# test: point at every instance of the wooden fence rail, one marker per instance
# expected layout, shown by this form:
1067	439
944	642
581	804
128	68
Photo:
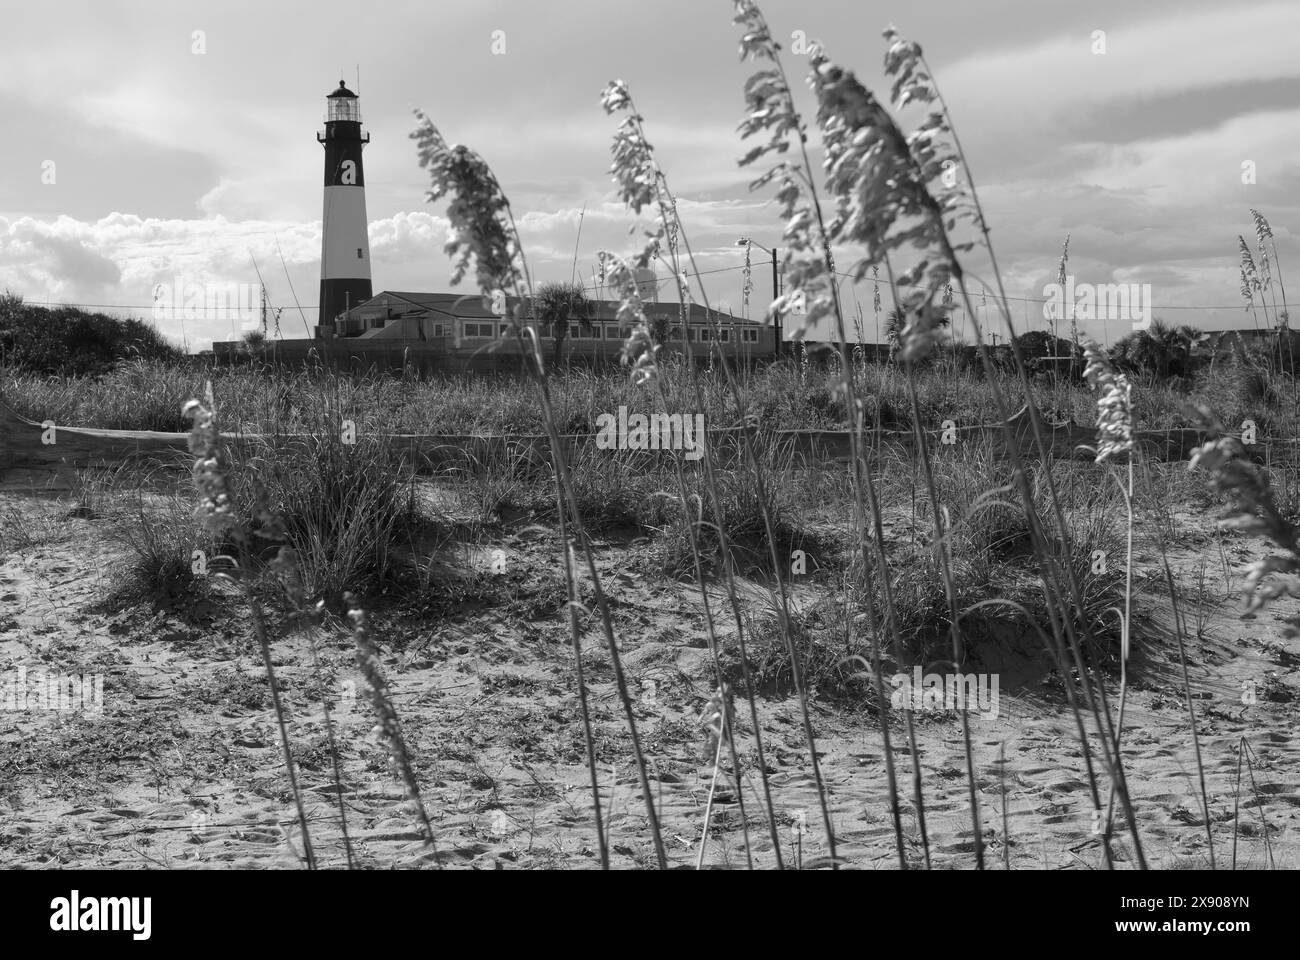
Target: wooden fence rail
49	457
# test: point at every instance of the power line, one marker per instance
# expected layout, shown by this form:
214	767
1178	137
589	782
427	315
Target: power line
1042	300
593	286
129	306
702	273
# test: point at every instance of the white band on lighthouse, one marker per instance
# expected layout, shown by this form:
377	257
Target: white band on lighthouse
345	247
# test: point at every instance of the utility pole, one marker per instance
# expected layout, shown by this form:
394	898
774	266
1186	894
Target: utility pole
778	327
776	293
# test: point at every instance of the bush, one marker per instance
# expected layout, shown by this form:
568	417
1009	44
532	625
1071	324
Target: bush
67	341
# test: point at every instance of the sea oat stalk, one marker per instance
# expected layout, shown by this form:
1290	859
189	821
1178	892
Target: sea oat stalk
217	515
810	284
877	177
1115	439
389	728
483	228
906	61
634	167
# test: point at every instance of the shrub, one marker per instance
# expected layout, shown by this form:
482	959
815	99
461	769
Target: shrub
68	341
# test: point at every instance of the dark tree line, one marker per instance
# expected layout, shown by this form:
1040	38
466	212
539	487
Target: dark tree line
71	342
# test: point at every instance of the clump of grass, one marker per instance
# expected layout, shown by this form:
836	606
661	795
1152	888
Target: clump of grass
343	508
161	545
738	535
614	489
829	654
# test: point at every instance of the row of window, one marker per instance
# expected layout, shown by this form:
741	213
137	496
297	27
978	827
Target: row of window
491	330
487	330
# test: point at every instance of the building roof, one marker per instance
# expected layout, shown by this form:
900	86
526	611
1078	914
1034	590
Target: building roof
342	91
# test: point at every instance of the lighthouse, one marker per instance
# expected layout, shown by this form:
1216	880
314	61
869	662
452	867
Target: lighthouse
345	246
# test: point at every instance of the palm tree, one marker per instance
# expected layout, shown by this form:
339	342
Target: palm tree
1162	348
894	323
254	342
896	320
555	306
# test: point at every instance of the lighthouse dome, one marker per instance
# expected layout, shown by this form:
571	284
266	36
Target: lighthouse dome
342	91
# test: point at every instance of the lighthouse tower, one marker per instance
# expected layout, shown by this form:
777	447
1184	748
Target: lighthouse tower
345	246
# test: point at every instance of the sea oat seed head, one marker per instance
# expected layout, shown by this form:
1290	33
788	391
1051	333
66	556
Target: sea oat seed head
1114	403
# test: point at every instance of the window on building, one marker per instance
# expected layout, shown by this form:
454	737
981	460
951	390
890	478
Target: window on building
676	334
723	335
611	332
476	330
750	336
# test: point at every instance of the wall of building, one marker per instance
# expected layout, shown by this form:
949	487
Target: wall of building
442	355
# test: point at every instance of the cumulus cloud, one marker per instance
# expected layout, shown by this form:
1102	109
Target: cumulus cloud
57	257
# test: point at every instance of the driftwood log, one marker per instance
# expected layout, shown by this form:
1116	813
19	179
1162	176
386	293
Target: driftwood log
49	457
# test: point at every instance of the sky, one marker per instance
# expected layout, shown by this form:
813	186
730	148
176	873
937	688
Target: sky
139	152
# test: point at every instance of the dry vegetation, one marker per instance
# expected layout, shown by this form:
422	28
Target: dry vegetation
619	658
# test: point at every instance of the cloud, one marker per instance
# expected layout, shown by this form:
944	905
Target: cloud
1054	80
57	257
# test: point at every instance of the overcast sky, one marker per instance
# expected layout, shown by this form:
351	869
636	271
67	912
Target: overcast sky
169	163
